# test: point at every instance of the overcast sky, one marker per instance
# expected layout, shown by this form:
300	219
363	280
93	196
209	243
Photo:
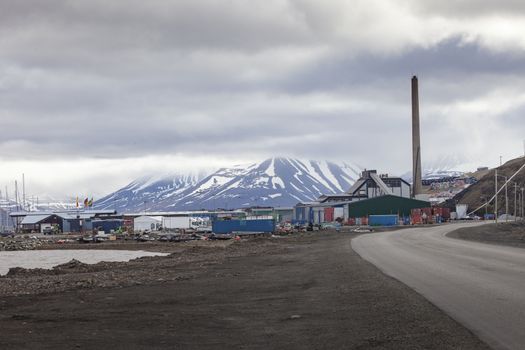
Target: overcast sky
94	93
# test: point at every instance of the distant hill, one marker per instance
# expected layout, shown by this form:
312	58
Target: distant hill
478	193
279	182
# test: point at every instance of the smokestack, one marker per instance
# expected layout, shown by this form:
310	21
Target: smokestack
416	143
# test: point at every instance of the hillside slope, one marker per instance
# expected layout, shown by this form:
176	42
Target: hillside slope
478	193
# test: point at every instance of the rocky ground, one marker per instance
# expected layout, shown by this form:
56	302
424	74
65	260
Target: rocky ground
509	234
21	243
305	291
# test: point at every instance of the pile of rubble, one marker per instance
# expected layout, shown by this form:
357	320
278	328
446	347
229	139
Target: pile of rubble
12	244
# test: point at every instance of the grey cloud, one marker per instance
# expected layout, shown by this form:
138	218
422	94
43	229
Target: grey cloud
152	25
450	60
121	79
467	8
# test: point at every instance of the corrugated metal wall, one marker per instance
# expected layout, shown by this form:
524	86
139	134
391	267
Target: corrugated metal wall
385	205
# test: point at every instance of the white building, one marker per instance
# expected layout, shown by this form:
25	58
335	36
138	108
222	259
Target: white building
151	223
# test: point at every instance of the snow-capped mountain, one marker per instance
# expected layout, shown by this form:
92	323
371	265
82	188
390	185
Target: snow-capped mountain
146	192
441	168
275	182
447	166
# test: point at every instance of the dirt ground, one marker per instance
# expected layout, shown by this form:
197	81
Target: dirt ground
509	234
307	291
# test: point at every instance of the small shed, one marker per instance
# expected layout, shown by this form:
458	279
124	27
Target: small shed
143	223
36	223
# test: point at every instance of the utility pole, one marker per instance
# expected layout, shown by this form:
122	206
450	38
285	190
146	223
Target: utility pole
522	202
496	192
515	199
23	192
16	195
506	201
8	206
518	206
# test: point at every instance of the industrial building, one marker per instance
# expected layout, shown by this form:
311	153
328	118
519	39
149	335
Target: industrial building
63	221
151	223
371	185
385	205
6	223
318	213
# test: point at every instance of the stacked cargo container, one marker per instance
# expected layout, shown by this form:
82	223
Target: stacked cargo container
416	216
243	226
328	214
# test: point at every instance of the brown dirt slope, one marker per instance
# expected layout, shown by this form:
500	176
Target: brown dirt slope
509	234
311	292
483	190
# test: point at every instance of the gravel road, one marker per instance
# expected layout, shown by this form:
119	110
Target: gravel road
480	285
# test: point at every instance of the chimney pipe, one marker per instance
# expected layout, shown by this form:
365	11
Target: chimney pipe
416	143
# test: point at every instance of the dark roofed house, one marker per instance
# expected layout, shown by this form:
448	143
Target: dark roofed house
339	197
371	185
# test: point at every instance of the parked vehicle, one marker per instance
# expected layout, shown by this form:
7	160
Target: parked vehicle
221	236
204	229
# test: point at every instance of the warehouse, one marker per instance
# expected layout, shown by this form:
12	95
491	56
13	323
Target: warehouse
384	205
318	213
150	223
62	221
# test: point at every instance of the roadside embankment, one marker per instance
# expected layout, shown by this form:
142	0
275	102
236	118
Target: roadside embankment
508	234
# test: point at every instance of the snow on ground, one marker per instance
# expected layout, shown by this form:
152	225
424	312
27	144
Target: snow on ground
213	181
297	188
270	171
298	178
261	181
325	170
311	171
278	181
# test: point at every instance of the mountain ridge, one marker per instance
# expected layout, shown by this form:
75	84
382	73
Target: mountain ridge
278	181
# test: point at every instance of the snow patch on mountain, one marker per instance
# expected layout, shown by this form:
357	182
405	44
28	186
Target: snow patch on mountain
273	182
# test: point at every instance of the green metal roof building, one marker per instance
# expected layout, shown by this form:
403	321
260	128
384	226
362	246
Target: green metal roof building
384	205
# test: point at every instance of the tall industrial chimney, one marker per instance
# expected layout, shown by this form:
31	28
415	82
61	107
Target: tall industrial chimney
416	142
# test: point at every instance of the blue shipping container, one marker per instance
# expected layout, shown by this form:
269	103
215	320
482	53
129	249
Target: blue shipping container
229	226
382	220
